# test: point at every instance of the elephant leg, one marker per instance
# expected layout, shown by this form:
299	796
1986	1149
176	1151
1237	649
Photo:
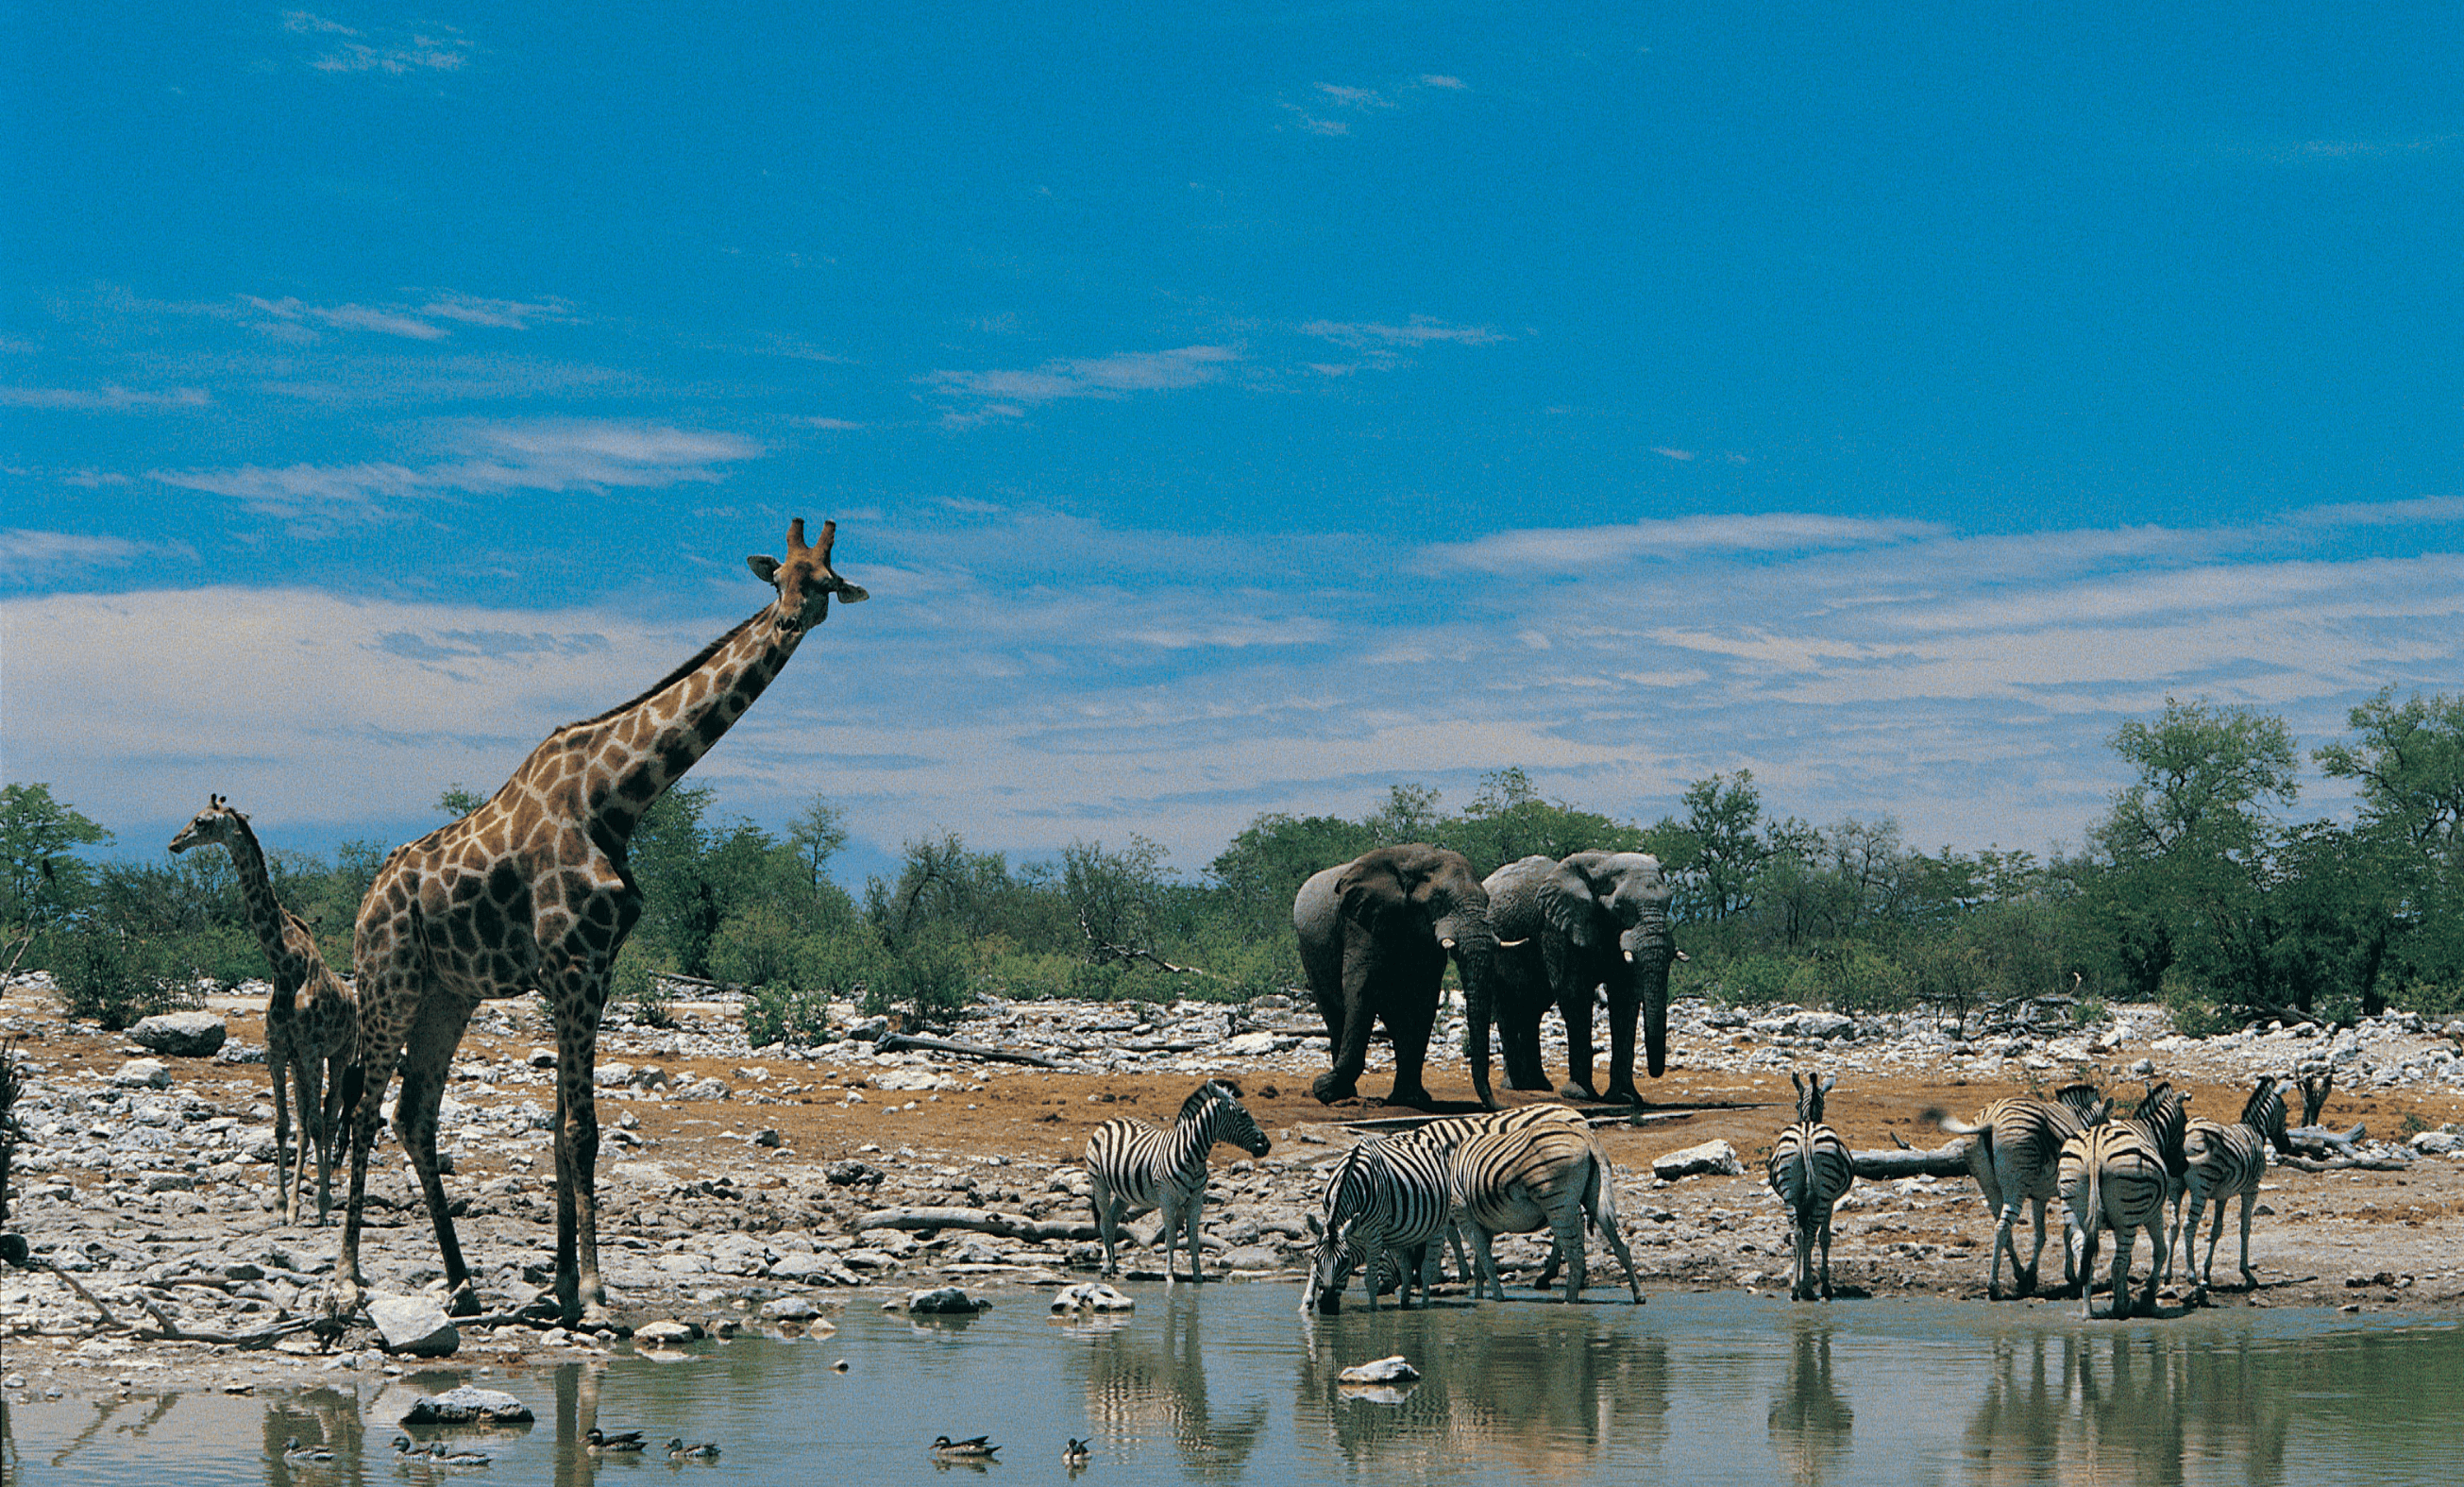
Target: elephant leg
1410	1025
1350	1048
1623	1006
1577	1006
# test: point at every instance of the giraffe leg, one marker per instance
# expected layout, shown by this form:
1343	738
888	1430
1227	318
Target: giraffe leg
336	1068
362	1102
577	993
314	1135
278	1063
425	1063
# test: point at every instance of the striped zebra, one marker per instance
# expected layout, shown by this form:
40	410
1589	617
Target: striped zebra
2014	1159
1385	1201
2117	1174
1547	1175
2221	1162
1811	1171
1133	1167
1448	1132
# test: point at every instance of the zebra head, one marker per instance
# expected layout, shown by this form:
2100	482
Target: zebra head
2264	1113
2165	1111
1808	1096
1217	1103
2084	1098
1334	1254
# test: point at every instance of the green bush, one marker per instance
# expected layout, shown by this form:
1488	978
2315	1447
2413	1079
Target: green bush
636	983
1854	977
116	979
930	978
805	975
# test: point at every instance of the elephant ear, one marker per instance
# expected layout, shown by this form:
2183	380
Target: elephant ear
1567	903
1369	892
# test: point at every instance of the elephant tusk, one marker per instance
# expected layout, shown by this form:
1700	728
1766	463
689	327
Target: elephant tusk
1629	956
1445	944
1513	944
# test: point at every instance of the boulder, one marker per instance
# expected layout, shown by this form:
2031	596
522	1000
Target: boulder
181	1034
942	1301
1246	1045
2437	1144
1384	1370
142	1074
666	1334
789	1308
1712	1158
1092	1296
468	1405
413	1324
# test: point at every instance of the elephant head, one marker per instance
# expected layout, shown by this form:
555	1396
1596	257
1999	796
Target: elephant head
1405	911
1613	906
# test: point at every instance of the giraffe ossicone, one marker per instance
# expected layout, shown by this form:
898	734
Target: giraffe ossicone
531	892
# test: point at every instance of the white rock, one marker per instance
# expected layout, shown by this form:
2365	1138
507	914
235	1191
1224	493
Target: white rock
194	1034
1716	1157
1092	1296
140	1073
413	1324
1384	1370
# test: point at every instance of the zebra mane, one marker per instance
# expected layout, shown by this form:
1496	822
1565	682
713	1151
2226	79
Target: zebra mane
1206	1095
2081	1097
2264	1113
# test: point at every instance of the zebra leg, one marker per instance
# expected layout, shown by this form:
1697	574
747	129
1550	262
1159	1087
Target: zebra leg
1484	1254
2248	1276
1826	1254
2190	1227
1569	1234
1100	1196
2157	1259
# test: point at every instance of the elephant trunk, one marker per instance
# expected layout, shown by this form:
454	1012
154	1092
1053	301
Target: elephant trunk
1649	951
1475	955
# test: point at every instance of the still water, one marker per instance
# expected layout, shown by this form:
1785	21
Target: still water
1231	1384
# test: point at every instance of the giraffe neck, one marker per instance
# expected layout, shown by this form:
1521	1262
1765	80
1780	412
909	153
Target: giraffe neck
265	914
637	751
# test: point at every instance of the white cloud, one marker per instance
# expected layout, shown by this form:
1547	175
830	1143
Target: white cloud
1442	80
346	49
1419	331
108	398
1599	547
1004	393
2423	511
28	555
498	457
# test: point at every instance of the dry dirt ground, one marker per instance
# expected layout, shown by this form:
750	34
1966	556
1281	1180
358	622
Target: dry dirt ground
2366	1239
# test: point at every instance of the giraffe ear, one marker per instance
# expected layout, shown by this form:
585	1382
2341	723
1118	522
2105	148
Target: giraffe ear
765	568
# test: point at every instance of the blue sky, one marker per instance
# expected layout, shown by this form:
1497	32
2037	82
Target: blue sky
1234	409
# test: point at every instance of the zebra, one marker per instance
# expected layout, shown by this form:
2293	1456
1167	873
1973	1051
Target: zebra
2220	1161
1547	1175
1810	1169
1447	1132
2117	1174
2014	1159
1384	1202
1134	1167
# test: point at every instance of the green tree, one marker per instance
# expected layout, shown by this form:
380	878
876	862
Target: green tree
459	799
1509	820
1258	874
818	833
2188	852
2407	849
42	881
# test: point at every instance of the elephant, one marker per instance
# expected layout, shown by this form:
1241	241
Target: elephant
1375	935
1565	926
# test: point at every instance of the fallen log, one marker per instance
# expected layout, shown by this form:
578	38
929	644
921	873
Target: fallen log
1949	1161
2319	1135
2346	1165
983	1221
913	1042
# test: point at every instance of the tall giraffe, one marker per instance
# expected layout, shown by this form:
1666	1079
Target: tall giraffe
312	1022
532	891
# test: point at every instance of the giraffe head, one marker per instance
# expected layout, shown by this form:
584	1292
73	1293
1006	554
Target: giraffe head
219	822
805	581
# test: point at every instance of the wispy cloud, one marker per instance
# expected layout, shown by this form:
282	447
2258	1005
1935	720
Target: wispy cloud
108	398
1004	393
292	318
1573	549
26	555
2423	511
497	458
1418	331
1329	108
337	48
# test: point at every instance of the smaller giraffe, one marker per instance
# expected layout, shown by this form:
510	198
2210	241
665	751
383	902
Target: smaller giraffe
312	1021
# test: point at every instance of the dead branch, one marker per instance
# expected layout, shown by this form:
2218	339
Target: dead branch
1949	1161
2347	1163
1008	1226
902	1042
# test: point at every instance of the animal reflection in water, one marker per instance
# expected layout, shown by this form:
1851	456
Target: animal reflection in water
1149	1380
1810	1423
2091	1408
320	1420
1546	1396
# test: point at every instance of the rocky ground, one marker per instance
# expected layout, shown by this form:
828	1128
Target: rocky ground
735	1178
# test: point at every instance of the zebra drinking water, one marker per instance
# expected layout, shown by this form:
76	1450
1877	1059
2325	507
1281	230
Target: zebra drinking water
2220	1161
1385	1201
1810	1169
2116	1174
2016	1159
1134	1168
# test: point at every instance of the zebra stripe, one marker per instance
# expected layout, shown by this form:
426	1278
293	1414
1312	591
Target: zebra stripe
1811	1171
1384	1202
2016	1159
2223	1162
1545	1176
1134	1167
2117	1175
1448	1132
